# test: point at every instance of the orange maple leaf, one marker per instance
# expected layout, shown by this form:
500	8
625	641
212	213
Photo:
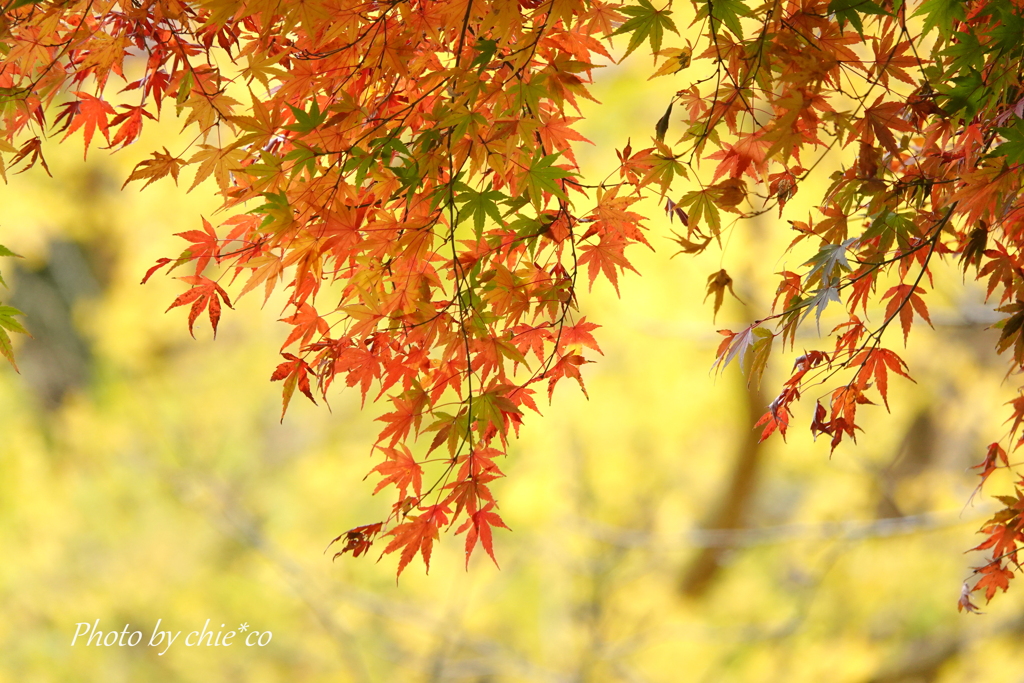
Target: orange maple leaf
204	292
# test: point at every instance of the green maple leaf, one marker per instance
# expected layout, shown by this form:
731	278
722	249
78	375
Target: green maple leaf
851	11
20	3
479	205
4	251
647	23
485	51
701	205
818	302
1013	148
543	177
7	322
305	122
304	158
825	263
965	93
726	12
760	351
940	14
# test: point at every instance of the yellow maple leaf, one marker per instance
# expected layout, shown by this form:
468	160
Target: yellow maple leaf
676	59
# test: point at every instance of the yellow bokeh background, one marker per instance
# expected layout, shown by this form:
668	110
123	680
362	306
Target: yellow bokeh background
159	484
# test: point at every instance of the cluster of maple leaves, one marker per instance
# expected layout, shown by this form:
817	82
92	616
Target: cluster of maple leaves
404	170
930	97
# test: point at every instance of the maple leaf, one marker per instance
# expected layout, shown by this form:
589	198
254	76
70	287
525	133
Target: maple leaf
417	535
729	194
941	14
605	257
688	247
493	407
357	540
307	323
153	169
829	263
218	162
558	133
646	23
87	113
362	366
1004	530
760	352
993	455
530	338
661	127
160	263
205	246
478	527
851	11
904	301
295	372
756	340
1011	329
717	284
993	577
746	156
543	177
1002	270
400	470
567	366
788	290
778	415
129	124
676	59
401	421
875	363
964	603
578	336
203	293
9	324
882	118
33	151
702	209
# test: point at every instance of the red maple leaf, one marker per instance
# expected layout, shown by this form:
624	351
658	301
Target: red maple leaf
746	156
993	455
358	540
88	113
993	577
417	535
204	292
401	470
578	335
478	527
401	421
567	366
876	363
604	257
205	246
905	300
295	372
307	323
130	123
880	120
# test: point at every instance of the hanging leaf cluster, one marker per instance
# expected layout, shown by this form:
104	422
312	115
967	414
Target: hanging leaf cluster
405	172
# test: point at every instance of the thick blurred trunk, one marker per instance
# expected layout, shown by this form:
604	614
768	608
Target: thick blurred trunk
734	503
57	359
